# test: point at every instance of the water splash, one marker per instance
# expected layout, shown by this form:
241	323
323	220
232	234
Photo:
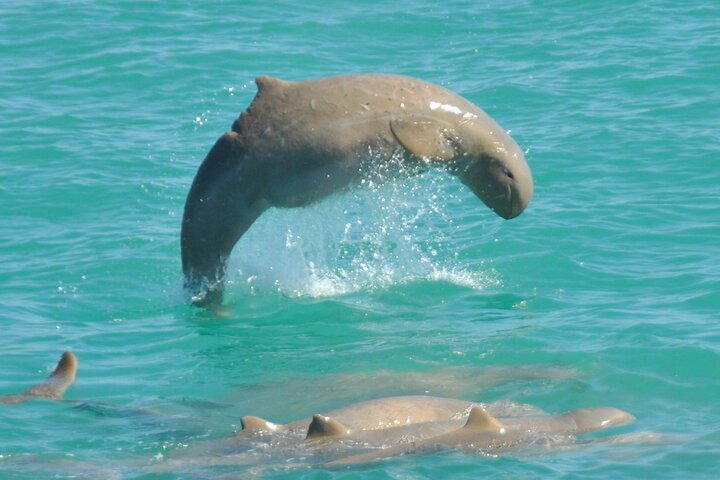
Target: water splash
375	236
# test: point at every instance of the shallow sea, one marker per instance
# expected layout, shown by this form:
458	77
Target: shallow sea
606	291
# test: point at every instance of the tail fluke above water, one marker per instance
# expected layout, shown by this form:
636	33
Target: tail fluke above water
53	387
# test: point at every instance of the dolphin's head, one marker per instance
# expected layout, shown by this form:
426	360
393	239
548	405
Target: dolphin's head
494	167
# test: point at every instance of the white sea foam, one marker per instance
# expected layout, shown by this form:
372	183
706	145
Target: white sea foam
375	236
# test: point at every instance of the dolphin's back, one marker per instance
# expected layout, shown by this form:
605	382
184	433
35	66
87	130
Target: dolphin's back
392	412
339	114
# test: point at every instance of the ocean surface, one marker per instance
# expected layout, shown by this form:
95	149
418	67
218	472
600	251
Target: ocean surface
605	291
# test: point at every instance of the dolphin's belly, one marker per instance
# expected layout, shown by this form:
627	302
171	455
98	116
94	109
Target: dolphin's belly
311	183
301	164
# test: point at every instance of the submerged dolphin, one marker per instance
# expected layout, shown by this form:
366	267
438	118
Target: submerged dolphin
397	425
461	423
388	426
487	434
391	426
378	414
54	385
299	142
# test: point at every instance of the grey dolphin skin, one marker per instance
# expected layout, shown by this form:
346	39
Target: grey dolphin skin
397	425
385	426
487	434
54	385
378	414
299	142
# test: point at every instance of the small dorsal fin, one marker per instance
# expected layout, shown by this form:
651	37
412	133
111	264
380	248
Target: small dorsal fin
256	423
325	427
480	419
425	137
54	385
266	82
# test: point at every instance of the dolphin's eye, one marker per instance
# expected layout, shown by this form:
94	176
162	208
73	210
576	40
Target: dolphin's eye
509	173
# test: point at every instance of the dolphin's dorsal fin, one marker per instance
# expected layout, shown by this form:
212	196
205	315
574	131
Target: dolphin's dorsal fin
58	381
480	419
325	427
54	385
266	82
256	423
425	137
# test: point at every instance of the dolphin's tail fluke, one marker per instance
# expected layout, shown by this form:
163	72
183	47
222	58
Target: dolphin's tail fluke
54	385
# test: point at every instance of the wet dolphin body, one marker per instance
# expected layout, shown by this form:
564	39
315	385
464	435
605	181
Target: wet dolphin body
378	414
397	425
54	385
487	434
390	426
406	412
299	142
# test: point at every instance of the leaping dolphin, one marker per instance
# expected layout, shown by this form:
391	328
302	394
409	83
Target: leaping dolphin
299	142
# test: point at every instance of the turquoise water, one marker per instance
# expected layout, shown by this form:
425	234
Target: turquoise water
607	287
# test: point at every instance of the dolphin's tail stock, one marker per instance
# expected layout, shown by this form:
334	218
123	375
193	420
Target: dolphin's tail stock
221	205
54	385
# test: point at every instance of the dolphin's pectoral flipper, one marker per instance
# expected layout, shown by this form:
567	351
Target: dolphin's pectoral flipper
425	138
250	423
54	385
322	427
